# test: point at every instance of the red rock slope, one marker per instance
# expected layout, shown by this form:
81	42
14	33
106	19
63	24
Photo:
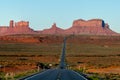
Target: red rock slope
21	27
90	27
79	27
53	30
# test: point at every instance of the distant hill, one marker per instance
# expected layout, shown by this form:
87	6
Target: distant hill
79	27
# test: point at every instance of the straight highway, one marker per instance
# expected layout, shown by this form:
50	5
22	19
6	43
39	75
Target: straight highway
60	73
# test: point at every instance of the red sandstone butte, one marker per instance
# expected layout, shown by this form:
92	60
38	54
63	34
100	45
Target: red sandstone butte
79	27
21	27
90	27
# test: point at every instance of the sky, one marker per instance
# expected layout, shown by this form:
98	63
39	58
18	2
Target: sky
43	13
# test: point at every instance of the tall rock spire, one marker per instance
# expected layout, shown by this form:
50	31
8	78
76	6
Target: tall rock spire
54	25
11	25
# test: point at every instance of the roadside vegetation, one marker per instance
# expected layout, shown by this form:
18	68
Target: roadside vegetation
82	54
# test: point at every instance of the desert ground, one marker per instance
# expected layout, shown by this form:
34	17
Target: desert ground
98	55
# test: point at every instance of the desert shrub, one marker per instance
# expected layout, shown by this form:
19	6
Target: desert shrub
93	78
23	74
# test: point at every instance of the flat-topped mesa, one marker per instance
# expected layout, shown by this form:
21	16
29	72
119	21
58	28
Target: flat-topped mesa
90	27
18	24
79	27
90	23
21	27
22	24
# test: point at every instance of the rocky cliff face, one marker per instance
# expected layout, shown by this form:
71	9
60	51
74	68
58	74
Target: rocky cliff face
79	27
82	27
90	27
21	27
89	23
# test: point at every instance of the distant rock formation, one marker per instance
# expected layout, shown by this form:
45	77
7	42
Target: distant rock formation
90	27
79	27
21	27
82	27
53	30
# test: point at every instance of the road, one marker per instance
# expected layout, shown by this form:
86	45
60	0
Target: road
56	74
60	73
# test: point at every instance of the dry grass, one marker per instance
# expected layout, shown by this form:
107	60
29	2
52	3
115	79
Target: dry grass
91	53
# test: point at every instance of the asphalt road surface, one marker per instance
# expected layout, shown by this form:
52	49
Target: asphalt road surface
56	74
60	73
